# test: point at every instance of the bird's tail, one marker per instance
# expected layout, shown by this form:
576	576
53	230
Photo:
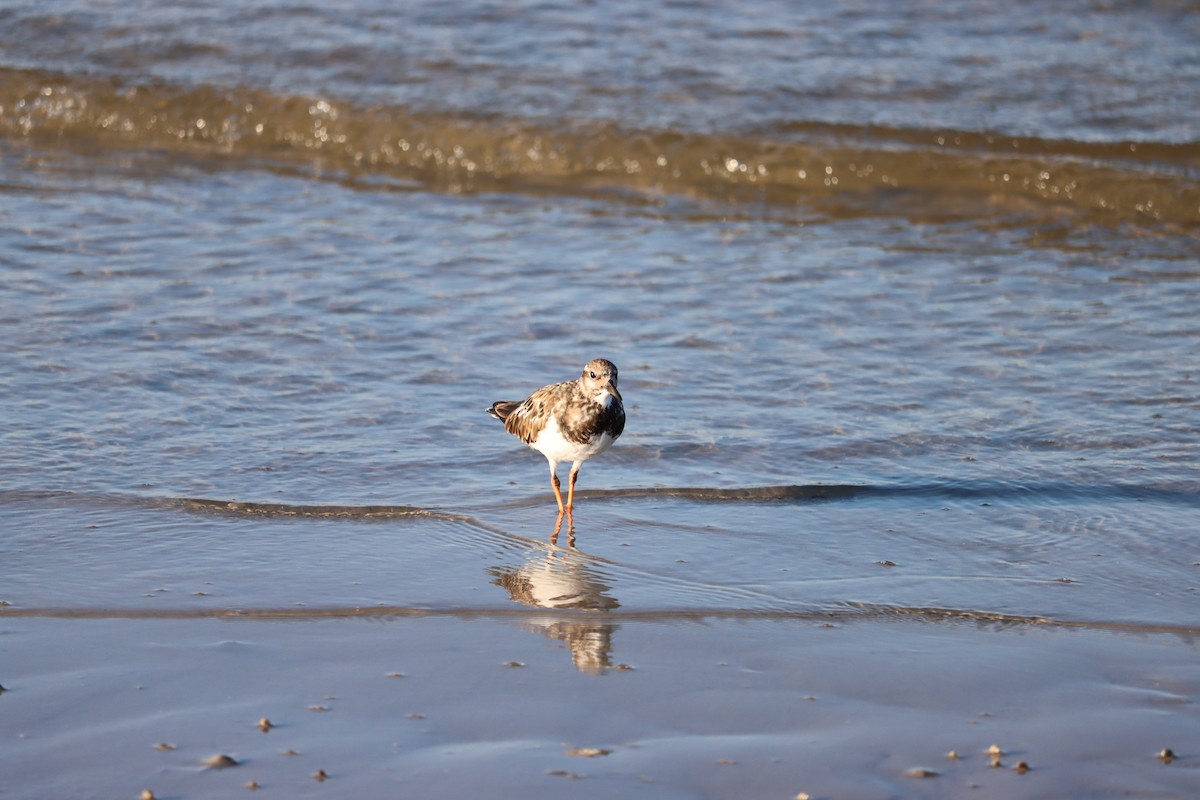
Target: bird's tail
501	409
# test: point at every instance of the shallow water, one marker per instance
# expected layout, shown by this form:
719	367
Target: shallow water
1015	429
904	304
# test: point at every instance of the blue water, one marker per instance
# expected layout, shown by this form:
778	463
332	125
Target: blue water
903	301
1022	420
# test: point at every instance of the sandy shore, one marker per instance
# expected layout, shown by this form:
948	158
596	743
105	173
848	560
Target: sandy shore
583	705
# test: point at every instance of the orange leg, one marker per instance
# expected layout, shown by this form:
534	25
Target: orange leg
571	489
554	484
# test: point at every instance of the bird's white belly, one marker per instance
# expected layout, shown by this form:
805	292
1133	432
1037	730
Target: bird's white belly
554	446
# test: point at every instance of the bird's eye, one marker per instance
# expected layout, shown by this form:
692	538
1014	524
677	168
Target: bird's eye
592	375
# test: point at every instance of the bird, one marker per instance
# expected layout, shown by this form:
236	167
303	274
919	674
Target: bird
569	421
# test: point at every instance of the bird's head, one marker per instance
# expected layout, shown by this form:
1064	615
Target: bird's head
600	378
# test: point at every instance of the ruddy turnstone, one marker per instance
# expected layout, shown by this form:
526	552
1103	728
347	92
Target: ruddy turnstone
568	421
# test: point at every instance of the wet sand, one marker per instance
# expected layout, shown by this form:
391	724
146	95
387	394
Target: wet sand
592	704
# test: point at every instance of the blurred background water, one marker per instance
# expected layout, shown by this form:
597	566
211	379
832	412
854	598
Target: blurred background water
904	300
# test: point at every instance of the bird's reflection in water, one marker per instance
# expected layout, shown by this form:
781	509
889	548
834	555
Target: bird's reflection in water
562	579
570	530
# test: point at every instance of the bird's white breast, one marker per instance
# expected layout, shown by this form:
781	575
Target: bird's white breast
551	443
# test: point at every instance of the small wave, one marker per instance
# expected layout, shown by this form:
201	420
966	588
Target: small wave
750	494
1009	493
290	510
981	492
226	506
835	170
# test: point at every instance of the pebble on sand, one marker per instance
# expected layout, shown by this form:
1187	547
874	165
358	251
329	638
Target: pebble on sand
221	761
1166	755
146	795
587	752
265	725
320	775
1021	767
922	772
562	773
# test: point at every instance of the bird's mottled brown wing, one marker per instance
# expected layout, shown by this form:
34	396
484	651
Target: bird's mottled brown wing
525	420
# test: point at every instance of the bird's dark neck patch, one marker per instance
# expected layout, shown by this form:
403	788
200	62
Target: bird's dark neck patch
591	420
